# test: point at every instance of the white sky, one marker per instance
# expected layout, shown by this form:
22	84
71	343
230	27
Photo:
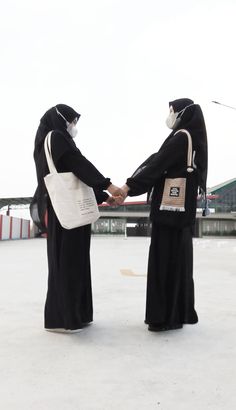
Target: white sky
119	63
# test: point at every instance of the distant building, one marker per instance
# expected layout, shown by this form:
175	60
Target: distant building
223	196
132	218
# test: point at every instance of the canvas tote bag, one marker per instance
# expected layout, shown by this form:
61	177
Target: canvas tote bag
73	201
173	197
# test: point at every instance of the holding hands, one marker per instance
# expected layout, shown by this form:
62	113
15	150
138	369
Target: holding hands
118	195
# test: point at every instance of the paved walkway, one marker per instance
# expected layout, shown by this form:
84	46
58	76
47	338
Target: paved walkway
116	363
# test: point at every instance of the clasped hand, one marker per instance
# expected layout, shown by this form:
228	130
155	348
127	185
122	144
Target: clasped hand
118	195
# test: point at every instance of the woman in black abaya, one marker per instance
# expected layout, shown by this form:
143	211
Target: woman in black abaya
69	297
170	286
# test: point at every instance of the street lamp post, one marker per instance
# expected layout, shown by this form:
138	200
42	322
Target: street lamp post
224	105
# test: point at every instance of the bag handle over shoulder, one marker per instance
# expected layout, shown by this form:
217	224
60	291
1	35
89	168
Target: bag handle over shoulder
48	153
190	149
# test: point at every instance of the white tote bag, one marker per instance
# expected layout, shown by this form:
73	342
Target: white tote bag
73	201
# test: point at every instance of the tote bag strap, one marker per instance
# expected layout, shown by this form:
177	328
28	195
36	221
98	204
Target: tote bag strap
190	149
48	153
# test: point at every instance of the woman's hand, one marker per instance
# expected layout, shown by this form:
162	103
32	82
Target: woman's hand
118	194
114	190
111	201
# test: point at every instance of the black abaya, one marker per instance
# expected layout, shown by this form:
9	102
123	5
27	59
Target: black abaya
69	296
170	287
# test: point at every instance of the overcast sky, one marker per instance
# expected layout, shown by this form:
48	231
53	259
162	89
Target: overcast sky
118	63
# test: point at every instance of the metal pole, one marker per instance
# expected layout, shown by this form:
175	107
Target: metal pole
224	105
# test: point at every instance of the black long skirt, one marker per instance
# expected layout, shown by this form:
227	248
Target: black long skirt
69	296
170	286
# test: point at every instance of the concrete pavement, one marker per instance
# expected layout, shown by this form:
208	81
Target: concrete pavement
116	363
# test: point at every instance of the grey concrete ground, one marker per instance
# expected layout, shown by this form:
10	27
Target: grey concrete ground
116	363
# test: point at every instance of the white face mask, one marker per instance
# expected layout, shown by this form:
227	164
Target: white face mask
172	119
71	128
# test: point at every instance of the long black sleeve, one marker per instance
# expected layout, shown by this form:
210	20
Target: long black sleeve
172	153
101	196
68	158
75	162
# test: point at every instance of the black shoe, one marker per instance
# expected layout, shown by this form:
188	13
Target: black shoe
156	328
162	328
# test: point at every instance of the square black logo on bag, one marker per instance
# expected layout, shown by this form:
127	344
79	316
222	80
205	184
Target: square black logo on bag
175	191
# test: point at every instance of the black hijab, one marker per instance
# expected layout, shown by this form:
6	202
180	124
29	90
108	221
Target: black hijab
51	121
191	118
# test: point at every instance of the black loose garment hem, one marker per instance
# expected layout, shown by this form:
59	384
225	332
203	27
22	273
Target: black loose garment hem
170	286
69	297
